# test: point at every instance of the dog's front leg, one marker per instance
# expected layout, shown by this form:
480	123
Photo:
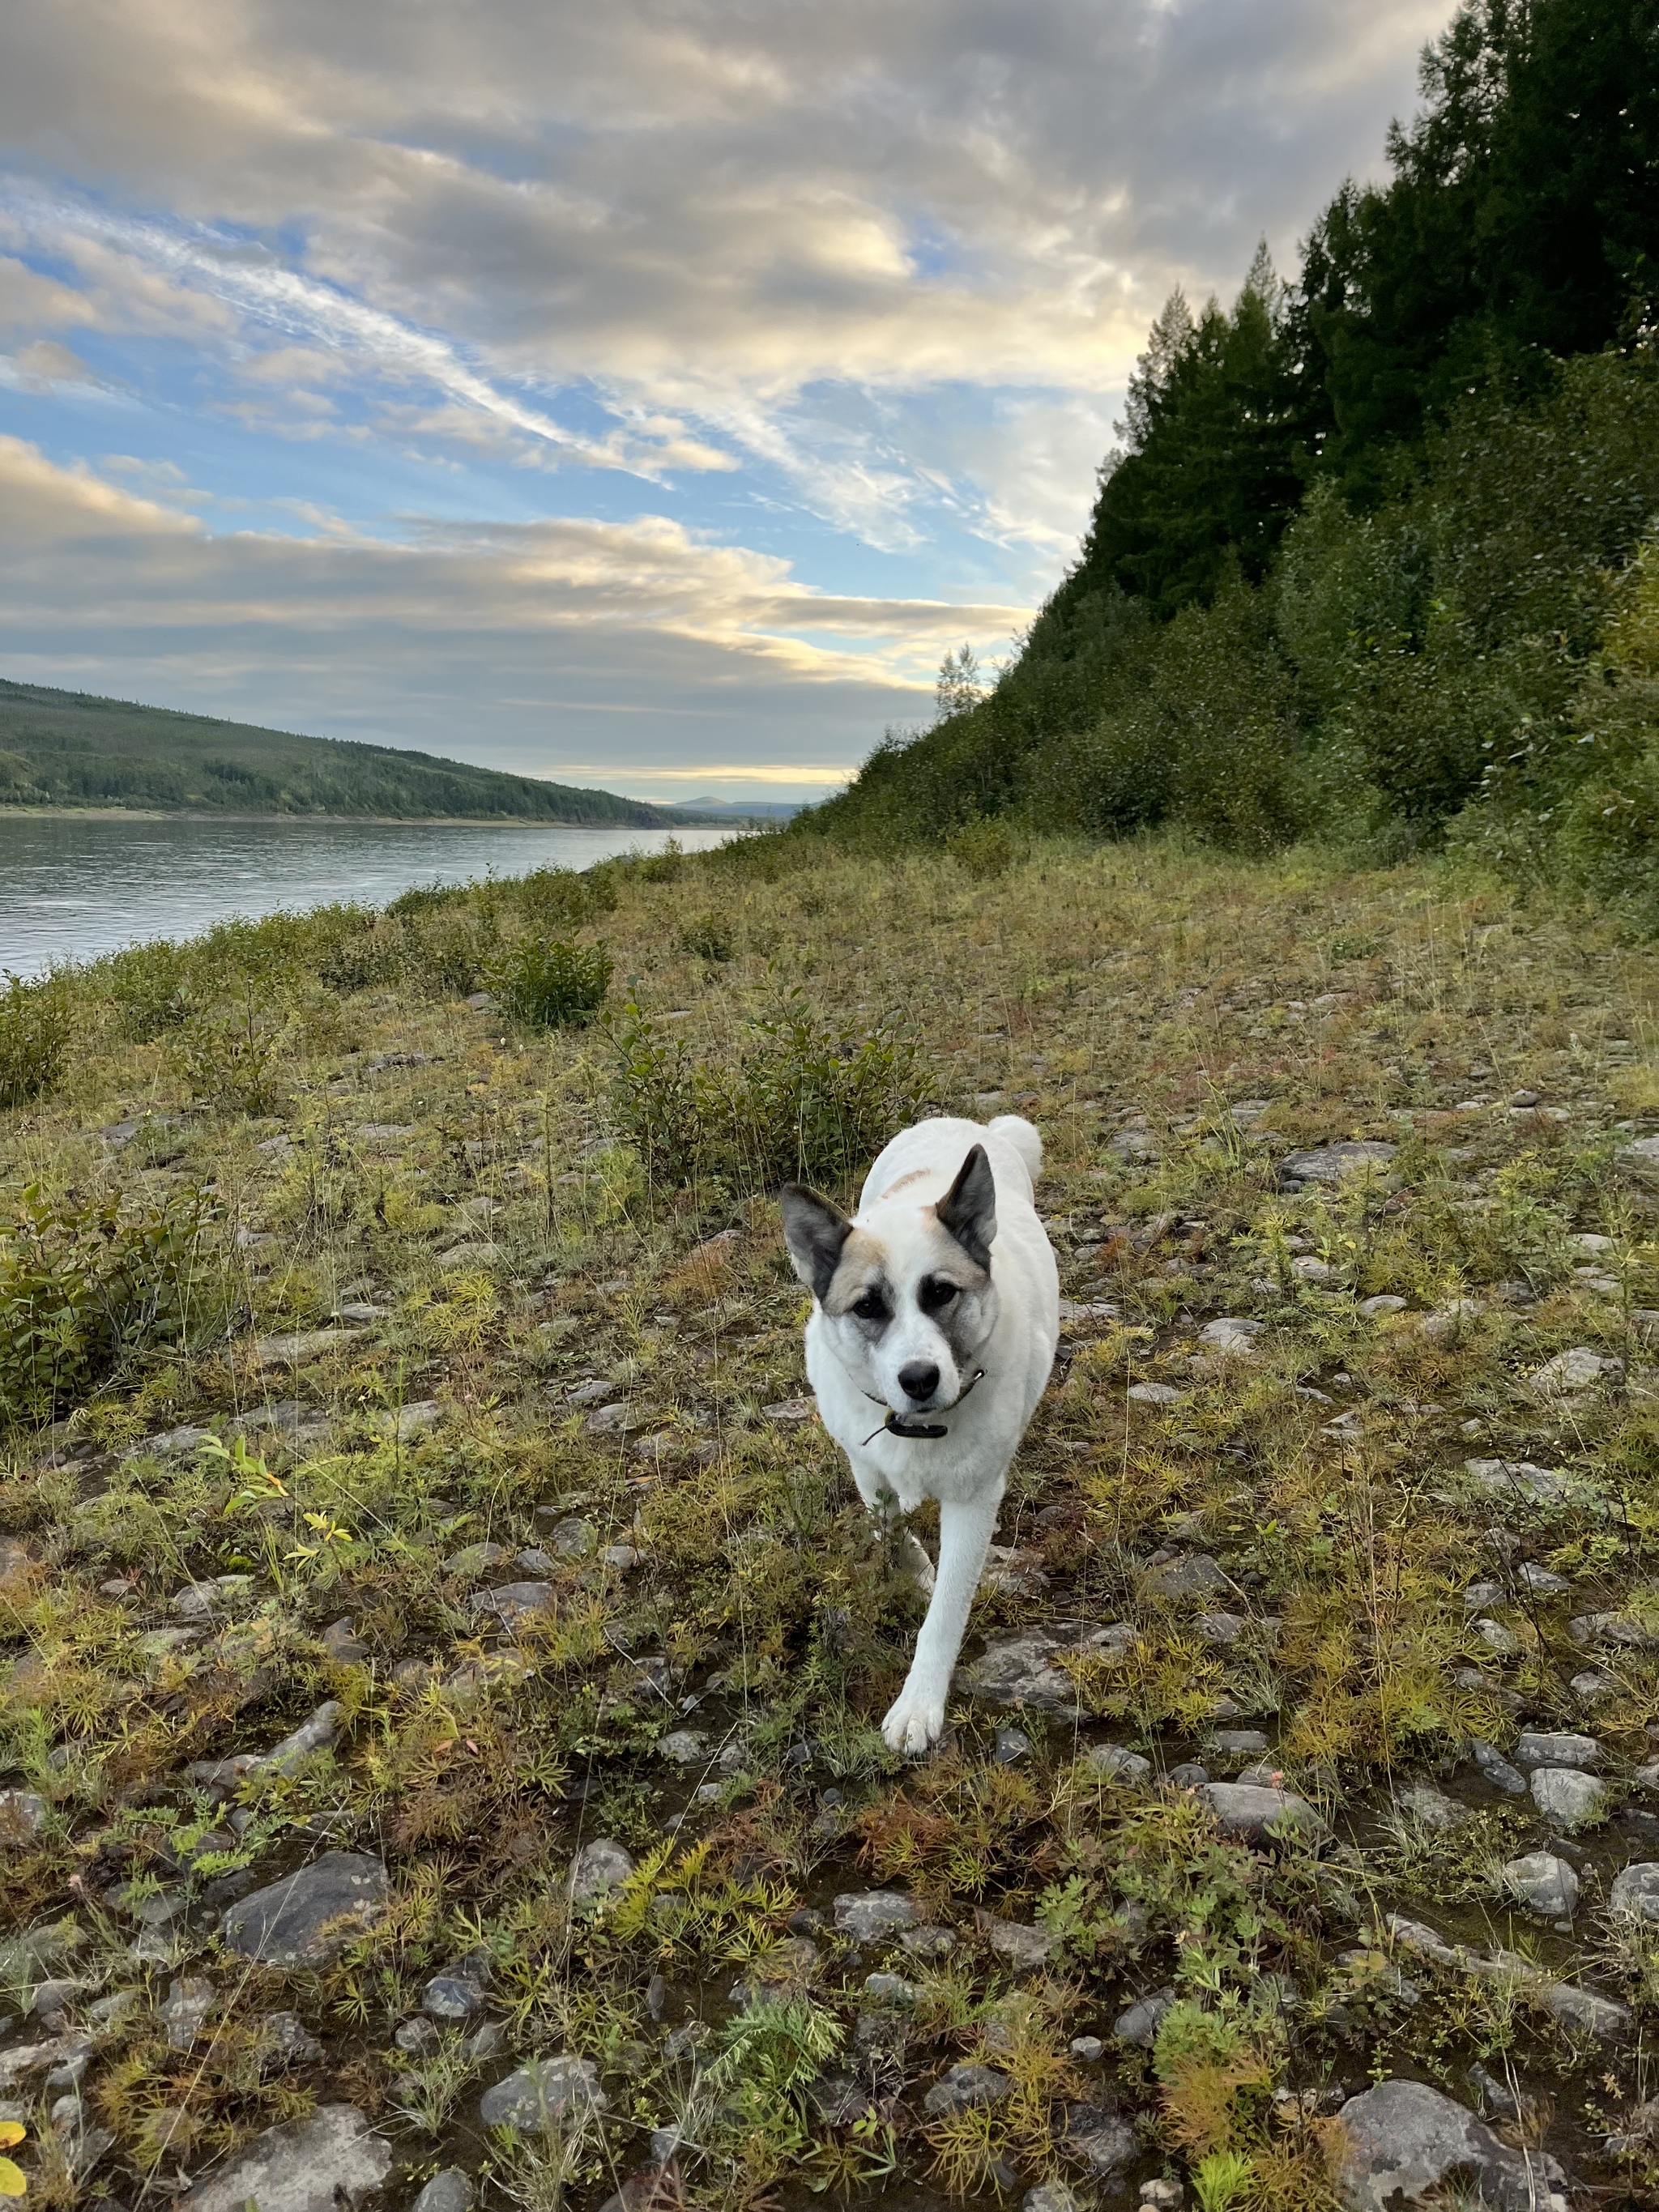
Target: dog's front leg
917	1717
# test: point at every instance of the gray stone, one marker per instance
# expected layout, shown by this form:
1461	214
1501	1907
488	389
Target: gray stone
451	1996
1025	1949
449	2191
1100	2141
542	2093
1331	1162
1248	1811
1018	1669
514	1604
963	2087
1196	1576
310	2165
1578	1368
1635	1892
185	2015
311	1915
1497	1769
1539	1581
1544	1747
1385	1303
1502	1641
598	1867
1155	1394
685	1747
1565	1795
22	1813
1520	1478
1545	1884
1010	1745
1221	1627
572	1538
298	1350
1402	2140
1239	1743
928	1941
1088	2048
1612	1628
1640	1157
1049	2196
1582	2009
1230	1334
473	1560
283	2040
1139	2024
871	1915
1111	1761
1432	1807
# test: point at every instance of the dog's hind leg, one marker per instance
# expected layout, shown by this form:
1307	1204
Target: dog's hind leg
917	1717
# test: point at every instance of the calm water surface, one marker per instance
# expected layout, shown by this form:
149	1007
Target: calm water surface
72	887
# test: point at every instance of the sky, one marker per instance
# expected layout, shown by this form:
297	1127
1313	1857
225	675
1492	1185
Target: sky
642	393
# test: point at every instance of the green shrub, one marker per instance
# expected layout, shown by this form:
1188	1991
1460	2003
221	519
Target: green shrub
34	1035
983	847
150	987
553	899
369	950
552	983
231	1056
84	1285
710	937
444	952
428	898
805	1101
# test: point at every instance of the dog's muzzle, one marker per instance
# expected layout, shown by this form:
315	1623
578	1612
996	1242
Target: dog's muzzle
896	1425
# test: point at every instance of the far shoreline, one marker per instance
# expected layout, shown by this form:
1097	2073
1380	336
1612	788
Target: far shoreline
367	821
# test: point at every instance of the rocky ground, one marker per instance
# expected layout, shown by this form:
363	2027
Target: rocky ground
438	1760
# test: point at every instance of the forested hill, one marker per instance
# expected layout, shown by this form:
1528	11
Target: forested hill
1376	558
69	748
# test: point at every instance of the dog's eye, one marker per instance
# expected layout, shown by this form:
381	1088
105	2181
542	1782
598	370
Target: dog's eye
871	1307
937	1294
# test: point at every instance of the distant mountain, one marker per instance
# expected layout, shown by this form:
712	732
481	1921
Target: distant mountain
71	748
765	810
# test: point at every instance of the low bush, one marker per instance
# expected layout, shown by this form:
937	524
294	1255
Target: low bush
803	1101
231	1056
444	950
149	986
710	937
34	1035
553	899
84	1285
552	983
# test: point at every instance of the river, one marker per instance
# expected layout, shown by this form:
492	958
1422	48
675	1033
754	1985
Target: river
75	885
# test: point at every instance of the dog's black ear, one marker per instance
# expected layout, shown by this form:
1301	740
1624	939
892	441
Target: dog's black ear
815	1231
969	1209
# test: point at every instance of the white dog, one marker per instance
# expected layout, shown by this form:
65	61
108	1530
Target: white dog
936	1313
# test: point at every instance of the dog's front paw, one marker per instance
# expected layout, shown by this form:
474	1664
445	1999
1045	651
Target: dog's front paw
914	1721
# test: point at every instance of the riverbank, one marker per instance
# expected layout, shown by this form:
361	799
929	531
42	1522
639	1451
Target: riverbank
443	1654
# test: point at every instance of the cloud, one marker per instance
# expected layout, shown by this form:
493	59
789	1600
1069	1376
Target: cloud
516	645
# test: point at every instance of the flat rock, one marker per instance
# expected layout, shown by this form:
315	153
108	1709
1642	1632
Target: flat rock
22	1814
1019	1670
1640	1157
1622	1628
311	1915
514	1604
1545	1884
1240	1743
963	2087
1100	2141
1331	1162
870	1916
298	1349
542	2093
1431	1806
1553	1747
1196	1575
1049	2196
1579	1369
1248	1811
602	1865
1021	1945
1537	1485
1230	1334
1402	2140
1384	1302
1635	1892
1156	1394
310	2165
1221	1627
1565	1795
1582	2009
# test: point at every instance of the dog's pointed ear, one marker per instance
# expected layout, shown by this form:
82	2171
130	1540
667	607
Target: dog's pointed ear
815	1232
969	1209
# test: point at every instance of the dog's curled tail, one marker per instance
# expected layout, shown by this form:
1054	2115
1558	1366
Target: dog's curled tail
1016	1132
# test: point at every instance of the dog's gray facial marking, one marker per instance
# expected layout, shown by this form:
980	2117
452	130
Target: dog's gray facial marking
859	1290
969	1209
816	1233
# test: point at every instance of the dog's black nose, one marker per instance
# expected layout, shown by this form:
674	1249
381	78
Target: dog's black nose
918	1379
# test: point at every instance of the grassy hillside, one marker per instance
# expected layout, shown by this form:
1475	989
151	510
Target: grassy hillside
68	749
428	1400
